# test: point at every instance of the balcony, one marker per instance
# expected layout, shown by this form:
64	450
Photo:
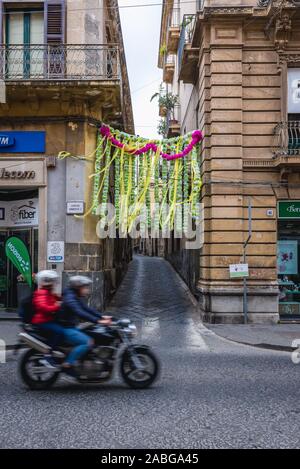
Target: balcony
173	31
173	122
169	68
287	143
59	62
188	56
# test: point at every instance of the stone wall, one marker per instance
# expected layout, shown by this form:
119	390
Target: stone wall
105	263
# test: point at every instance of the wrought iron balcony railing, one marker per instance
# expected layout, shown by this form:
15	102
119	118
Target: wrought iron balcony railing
186	34
169	59
174	18
287	138
59	62
173	116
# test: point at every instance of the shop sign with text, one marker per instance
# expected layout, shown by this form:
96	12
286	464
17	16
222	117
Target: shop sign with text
19	213
289	209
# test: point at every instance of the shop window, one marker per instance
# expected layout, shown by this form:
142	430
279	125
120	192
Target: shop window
288	265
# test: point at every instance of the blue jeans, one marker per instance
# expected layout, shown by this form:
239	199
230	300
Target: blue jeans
69	335
57	332
81	341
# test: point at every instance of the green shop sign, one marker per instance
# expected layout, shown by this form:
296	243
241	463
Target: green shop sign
18	254
289	209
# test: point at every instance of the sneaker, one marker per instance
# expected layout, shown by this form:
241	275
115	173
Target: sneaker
49	363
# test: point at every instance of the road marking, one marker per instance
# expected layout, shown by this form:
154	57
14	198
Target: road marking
196	339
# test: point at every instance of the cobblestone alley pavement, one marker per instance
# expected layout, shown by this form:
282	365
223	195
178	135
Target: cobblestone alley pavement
212	393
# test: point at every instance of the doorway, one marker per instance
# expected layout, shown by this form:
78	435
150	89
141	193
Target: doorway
10	280
19	216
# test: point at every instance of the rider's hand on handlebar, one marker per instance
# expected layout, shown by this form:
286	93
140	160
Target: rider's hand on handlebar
105	320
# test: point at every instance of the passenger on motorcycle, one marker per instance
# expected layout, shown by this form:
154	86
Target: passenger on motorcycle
46	304
73	309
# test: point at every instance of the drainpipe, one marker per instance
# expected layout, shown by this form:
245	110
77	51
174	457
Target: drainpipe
245	298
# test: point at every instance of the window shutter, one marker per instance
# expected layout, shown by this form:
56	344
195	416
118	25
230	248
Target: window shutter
1	22
54	21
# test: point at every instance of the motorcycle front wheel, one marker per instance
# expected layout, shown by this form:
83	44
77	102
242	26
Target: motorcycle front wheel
35	375
139	378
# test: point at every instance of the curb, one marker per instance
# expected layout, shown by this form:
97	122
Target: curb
263	346
186	288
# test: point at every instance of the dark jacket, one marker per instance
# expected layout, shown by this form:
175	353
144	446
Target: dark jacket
74	308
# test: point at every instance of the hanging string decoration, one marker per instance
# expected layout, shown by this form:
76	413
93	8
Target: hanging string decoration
161	176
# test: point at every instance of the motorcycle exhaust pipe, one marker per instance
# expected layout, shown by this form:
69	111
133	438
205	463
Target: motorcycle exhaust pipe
34	343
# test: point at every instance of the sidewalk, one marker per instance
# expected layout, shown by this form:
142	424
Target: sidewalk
9	331
276	337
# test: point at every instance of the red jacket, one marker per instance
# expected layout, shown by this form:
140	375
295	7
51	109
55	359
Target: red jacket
45	306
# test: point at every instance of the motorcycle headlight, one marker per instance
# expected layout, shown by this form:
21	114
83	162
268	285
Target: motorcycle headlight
132	330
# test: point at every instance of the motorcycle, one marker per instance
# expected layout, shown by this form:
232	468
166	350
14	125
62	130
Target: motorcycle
139	366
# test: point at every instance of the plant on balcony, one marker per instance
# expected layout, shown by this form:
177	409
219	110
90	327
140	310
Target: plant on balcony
162	128
163	50
187	20
166	101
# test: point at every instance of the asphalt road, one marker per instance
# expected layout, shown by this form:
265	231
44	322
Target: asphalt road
211	394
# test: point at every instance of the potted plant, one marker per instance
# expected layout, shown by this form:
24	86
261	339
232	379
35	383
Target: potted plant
166	101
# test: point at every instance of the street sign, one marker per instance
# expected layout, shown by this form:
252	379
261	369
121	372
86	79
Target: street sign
239	270
56	251
75	207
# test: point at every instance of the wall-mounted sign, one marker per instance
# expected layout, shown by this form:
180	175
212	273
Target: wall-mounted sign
75	207
23	212
5	174
6	141
21	172
238	270
22	141
56	251
294	90
289	209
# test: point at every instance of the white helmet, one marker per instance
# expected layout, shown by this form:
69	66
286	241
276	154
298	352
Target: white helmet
78	281
46	278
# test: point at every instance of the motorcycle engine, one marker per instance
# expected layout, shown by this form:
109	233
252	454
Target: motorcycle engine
97	366
90	369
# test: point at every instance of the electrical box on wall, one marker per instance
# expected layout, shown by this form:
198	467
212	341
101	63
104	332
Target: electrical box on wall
294	90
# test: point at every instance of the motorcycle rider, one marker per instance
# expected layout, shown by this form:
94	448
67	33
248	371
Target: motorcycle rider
73	309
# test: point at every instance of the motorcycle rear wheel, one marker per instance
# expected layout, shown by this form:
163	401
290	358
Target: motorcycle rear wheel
34	380
138	379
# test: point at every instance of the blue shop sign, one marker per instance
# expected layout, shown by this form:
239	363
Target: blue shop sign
22	142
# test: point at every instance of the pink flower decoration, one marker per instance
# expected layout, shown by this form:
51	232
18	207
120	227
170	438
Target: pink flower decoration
196	138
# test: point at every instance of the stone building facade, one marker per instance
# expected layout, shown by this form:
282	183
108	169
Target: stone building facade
63	72
236	68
